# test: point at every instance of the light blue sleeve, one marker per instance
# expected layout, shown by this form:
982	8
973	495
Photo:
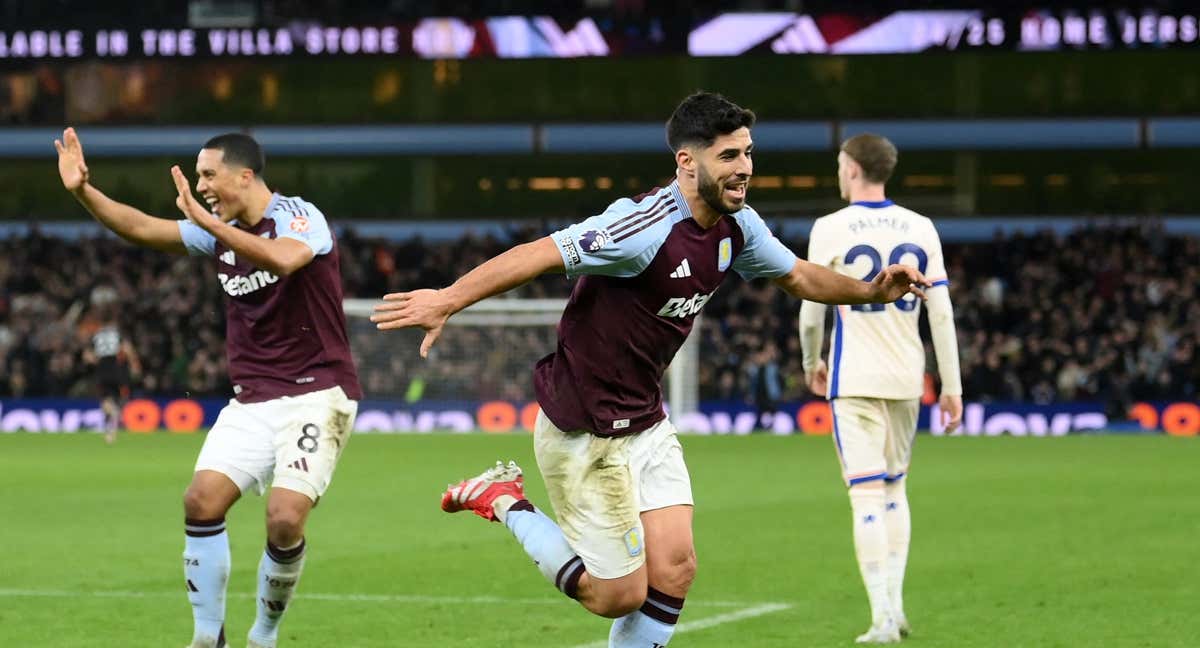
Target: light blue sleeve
301	220
620	242
763	255
197	241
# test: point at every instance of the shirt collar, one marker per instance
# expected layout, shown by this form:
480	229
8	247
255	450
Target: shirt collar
275	198
677	194
874	204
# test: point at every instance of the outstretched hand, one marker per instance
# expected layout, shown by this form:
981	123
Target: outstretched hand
424	308
187	203
897	281
71	166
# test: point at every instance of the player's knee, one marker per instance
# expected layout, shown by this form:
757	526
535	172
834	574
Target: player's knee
199	504
285	526
676	574
685	572
618	603
614	598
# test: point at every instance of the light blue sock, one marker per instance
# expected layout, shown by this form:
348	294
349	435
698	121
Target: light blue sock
544	542
278	573
206	567
649	627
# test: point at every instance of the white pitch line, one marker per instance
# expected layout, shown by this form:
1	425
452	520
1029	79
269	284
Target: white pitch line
366	598
701	624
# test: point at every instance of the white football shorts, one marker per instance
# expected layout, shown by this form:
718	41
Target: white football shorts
874	437
291	442
600	486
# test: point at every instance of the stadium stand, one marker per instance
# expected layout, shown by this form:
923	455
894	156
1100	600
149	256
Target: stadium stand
1104	313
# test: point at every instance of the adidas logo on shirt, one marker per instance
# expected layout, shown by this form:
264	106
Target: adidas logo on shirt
684	270
227	258
299	464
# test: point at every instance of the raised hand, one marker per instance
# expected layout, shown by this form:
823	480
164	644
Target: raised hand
71	166
897	281
424	308
187	203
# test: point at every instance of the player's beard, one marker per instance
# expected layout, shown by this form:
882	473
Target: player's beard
711	191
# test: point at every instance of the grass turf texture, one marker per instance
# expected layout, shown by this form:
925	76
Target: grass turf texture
1079	541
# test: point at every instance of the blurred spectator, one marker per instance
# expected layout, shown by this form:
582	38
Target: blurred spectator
1108	314
764	385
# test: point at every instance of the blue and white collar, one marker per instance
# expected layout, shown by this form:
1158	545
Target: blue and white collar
874	204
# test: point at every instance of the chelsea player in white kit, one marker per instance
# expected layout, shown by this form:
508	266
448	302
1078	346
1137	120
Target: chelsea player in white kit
875	375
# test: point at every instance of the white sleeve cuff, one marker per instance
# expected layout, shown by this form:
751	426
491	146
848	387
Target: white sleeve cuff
945	340
812	333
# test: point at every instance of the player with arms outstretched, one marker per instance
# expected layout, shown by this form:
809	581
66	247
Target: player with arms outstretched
607	451
878	366
296	387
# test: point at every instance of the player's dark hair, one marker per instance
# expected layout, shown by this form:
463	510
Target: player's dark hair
702	117
875	154
239	149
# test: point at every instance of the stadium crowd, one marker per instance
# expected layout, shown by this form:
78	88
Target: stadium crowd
1103	313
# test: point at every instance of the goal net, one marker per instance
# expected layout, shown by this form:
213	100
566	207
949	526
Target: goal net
485	353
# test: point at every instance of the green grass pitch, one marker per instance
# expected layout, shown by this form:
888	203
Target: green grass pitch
1078	541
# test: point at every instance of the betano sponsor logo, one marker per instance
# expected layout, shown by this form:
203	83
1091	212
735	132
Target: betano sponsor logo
381	417
244	285
138	415
812	418
684	306
1038	424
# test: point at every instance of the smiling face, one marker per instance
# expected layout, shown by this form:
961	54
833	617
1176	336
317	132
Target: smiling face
723	171
224	187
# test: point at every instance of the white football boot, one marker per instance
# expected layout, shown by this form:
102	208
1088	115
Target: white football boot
881	633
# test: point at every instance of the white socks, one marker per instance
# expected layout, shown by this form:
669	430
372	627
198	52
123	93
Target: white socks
278	572
206	568
871	547
544	542
899	532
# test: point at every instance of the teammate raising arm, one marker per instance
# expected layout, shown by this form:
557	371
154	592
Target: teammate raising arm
295	384
608	453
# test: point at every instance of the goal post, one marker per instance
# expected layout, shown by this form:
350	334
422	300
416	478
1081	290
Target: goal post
487	352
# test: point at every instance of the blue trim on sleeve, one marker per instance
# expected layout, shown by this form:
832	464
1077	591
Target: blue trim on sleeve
868	478
874	204
837	437
943	282
893	478
837	352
